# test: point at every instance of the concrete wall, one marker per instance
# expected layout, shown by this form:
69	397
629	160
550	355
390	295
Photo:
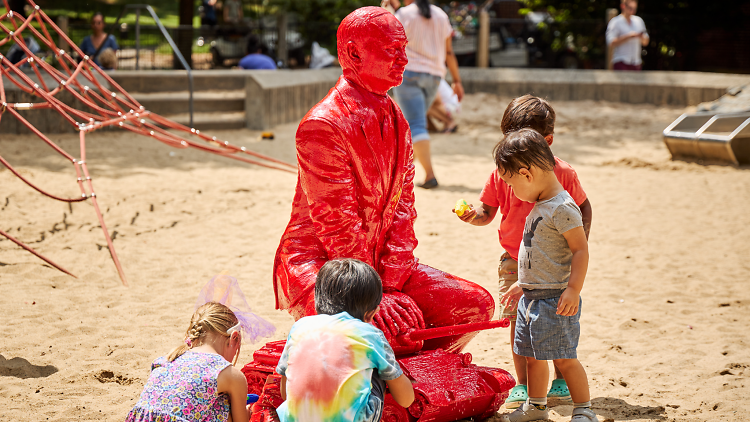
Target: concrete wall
652	87
274	98
177	80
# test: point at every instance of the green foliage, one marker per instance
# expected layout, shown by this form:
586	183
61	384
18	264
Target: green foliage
315	20
566	10
84	9
675	27
577	25
330	11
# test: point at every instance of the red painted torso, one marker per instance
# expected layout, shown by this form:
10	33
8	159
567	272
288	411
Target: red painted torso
354	195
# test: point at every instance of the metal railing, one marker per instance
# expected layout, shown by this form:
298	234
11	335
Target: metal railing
177	52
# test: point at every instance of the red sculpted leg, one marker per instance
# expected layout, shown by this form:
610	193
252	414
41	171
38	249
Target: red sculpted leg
448	300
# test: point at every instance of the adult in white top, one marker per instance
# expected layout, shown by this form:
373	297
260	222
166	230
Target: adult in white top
626	34
430	49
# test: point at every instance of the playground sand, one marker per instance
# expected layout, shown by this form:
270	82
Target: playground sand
665	305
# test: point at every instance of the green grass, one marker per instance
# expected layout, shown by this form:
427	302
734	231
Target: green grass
168	20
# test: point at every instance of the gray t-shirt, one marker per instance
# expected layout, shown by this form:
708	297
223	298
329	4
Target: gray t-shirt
544	258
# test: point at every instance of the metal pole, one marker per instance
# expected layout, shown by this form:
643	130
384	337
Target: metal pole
169	39
179	57
190	83
483	40
608	15
62	23
137	38
282	51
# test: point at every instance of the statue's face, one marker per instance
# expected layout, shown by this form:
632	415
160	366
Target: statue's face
382	55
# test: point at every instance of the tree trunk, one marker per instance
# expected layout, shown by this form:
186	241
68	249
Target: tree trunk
184	33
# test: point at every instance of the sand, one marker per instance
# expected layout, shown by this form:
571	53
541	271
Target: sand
664	326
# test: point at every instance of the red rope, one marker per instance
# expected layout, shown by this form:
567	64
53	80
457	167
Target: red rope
38	189
111	107
38	255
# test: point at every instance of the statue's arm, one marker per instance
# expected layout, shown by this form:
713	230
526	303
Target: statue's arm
326	176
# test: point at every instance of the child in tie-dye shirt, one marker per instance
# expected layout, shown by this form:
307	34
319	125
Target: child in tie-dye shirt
335	364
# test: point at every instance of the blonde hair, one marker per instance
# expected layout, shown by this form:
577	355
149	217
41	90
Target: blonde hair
213	317
108	58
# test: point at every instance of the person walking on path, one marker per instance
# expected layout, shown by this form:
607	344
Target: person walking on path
430	48
626	34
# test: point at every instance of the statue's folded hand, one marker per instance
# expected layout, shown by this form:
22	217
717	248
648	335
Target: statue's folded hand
398	315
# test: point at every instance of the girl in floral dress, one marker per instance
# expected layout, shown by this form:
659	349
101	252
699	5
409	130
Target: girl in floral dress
197	382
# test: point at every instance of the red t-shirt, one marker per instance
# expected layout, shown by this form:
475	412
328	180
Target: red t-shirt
497	193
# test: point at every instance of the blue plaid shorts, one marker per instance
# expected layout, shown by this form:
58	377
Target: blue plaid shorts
544	335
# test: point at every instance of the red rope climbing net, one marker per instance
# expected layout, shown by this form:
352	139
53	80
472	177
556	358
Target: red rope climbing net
107	106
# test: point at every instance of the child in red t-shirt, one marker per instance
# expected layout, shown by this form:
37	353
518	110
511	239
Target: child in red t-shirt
532	112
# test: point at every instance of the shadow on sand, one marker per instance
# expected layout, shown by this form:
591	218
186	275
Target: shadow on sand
614	409
22	368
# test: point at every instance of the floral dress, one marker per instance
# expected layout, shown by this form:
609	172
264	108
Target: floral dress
183	390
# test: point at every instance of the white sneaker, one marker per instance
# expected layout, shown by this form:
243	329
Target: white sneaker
527	412
583	414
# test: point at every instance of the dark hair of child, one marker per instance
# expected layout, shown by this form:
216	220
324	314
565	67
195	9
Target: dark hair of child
253	44
347	285
528	111
524	148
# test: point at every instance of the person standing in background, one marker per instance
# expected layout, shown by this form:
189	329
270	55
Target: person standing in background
445	108
208	18
255	59
93	45
233	12
626	34
430	48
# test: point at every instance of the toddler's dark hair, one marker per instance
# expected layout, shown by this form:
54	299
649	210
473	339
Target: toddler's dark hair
523	148
528	111
347	285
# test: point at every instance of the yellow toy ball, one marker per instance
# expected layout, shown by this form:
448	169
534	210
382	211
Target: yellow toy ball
461	207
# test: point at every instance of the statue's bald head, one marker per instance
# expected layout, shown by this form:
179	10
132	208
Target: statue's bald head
363	31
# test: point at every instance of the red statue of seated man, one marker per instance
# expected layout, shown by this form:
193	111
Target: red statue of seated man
355	194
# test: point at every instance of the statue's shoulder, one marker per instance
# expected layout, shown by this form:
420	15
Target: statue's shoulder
334	109
330	107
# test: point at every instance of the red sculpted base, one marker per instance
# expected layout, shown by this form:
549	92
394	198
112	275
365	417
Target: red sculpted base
447	386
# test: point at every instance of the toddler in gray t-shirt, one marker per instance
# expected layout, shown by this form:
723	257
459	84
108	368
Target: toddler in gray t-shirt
552	262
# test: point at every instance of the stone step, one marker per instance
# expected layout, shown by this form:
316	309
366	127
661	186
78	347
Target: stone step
211	121
165	103
177	80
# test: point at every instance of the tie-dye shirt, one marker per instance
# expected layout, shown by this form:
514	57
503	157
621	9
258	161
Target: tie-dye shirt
328	362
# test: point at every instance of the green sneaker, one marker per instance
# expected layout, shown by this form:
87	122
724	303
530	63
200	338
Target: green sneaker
558	393
517	397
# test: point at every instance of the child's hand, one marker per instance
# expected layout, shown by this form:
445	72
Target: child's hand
468	214
511	297
568	303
